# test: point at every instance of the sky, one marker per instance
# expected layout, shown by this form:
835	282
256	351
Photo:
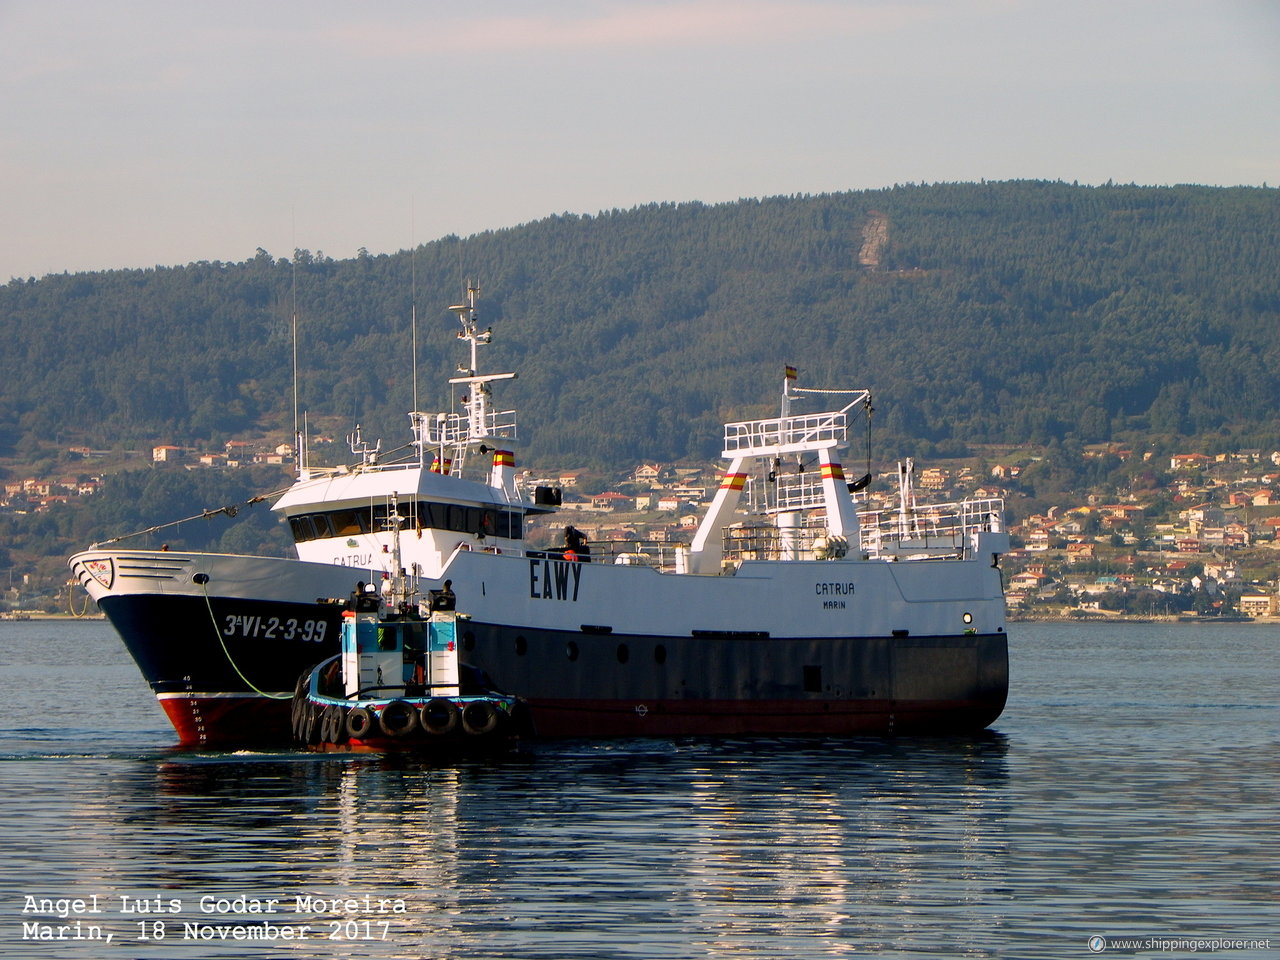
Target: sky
137	133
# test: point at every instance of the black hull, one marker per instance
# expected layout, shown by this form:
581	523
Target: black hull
217	665
580	683
224	670
190	645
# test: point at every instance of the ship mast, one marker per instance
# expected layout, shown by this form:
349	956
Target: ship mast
452	435
479	398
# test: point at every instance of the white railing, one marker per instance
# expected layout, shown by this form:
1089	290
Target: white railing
790	491
812	432
941	530
660	555
930	529
458	428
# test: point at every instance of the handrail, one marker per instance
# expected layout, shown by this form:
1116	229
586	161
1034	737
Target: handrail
455	428
807	431
934	531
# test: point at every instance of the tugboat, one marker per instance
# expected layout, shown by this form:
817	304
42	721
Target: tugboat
397	685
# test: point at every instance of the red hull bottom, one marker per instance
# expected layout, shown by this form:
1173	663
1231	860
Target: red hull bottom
226	721
204	721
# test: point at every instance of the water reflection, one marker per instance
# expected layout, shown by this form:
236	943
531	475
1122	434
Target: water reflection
732	848
1130	793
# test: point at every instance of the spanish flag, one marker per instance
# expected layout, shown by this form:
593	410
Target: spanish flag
504	458
791	373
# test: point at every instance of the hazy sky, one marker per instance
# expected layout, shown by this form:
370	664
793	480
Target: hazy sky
144	132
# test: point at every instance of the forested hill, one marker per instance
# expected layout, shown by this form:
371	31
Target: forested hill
993	312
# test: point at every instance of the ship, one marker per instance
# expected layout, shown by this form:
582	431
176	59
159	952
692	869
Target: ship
798	607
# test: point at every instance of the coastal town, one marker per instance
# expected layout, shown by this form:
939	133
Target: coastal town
1192	535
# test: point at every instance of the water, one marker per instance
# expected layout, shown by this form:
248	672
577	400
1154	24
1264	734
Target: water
1129	790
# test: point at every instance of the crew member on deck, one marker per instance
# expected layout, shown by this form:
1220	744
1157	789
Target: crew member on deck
575	545
443	599
361	600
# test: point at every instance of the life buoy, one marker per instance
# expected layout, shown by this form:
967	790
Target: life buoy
438	716
479	717
398	718
360	720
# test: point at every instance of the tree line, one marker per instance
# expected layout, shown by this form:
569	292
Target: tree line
1008	312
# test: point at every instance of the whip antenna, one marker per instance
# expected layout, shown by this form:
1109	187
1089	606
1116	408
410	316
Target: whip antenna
298	453
413	298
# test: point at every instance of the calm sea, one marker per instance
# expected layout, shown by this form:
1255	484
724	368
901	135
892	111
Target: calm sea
1128	792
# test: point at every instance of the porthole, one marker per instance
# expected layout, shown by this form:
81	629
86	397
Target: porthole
522	646
571	650
624	654
659	654
967	618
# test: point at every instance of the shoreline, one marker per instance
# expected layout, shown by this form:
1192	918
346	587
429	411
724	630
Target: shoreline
1160	618
28	617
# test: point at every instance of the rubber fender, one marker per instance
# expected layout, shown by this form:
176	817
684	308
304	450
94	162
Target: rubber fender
295	716
335	719
398	718
438	716
479	717
299	704
360	722
326	725
311	723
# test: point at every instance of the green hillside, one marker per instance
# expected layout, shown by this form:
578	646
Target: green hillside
977	313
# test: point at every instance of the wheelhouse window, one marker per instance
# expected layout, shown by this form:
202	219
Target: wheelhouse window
304	528
423	515
349	523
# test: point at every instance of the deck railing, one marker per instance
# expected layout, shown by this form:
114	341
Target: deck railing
938	530
790	491
455	428
659	554
811	432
